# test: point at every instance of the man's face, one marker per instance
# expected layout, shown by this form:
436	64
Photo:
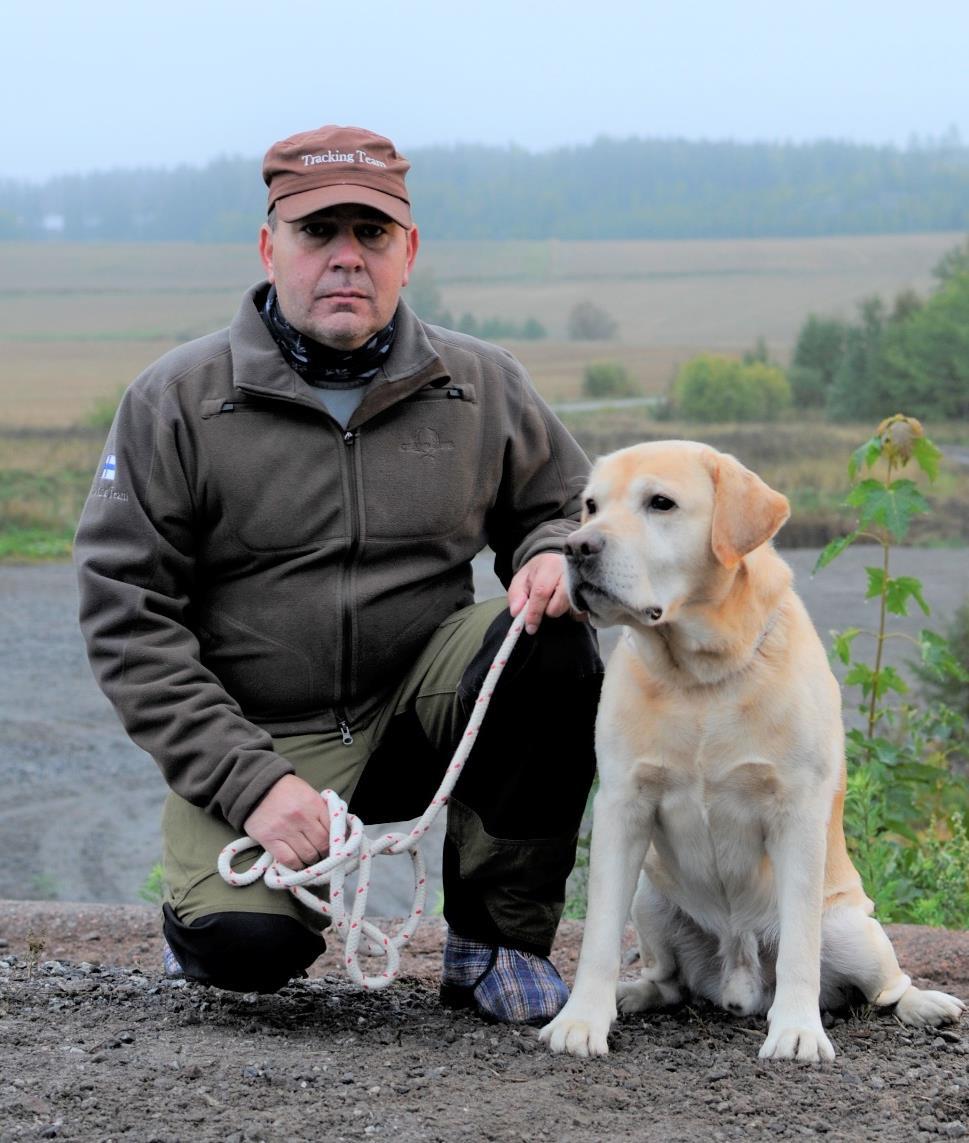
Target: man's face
338	273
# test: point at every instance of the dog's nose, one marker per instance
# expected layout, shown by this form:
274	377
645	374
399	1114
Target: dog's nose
583	544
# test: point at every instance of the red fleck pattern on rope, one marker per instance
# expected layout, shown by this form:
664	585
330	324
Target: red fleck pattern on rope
352	851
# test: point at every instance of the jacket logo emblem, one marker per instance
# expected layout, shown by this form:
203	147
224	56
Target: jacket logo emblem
109	470
426	443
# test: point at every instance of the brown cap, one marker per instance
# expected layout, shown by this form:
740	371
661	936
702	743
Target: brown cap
335	165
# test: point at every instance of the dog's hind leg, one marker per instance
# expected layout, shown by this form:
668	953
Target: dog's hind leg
658	986
855	950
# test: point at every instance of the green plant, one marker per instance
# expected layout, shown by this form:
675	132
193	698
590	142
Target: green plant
577	887
608	379
101	413
152	889
950	689
905	808
44	887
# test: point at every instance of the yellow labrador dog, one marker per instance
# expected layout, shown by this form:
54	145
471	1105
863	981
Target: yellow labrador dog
721	767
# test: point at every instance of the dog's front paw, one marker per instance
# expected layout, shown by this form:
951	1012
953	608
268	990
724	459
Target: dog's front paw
802	1040
578	1031
923	1006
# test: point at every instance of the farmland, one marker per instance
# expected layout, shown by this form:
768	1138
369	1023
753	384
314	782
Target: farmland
79	321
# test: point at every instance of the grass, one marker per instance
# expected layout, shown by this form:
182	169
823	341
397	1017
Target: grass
45	476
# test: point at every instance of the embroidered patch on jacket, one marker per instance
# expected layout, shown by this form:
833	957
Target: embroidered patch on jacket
109	470
426	443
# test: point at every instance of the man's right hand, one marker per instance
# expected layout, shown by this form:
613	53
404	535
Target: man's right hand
292	822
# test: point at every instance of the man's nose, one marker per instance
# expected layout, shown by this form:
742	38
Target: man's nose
583	545
346	252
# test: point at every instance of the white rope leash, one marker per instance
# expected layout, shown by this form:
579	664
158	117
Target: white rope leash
347	854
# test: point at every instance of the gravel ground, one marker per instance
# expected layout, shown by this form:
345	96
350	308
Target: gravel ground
96	1046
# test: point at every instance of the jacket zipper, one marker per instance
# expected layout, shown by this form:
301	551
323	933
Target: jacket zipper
349	439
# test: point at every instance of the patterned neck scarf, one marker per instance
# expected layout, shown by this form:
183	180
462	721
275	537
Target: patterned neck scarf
318	364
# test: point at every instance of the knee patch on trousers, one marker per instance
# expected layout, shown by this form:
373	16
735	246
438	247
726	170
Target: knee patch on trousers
242	952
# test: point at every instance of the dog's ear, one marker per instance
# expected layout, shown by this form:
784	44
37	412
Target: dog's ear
746	511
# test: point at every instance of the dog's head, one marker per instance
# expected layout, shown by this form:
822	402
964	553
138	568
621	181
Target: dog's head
663	525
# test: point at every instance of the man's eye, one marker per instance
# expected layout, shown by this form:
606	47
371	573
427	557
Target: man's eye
316	229
661	504
590	506
371	232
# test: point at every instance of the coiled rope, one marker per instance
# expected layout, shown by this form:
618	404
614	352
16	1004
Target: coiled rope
352	851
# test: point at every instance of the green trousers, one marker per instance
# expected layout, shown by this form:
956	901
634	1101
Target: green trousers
513	818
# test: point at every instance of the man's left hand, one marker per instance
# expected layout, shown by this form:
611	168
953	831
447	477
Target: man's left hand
542	583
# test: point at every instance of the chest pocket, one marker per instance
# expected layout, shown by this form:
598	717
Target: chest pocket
276	475
421	469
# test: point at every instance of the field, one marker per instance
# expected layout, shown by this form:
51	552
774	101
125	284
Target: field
78	322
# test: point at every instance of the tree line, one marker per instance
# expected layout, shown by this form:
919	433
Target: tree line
608	189
910	353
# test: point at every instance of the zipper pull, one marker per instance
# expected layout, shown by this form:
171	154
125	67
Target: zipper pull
349	437
345	731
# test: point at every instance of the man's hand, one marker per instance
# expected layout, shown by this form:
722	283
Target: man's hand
542	582
292	822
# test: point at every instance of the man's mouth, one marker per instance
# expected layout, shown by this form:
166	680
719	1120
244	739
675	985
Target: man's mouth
343	295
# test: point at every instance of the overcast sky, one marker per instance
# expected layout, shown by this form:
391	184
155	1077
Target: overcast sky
104	83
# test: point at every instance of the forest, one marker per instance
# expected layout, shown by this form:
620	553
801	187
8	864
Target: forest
609	189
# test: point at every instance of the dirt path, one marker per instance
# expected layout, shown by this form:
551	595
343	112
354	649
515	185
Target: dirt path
95	1046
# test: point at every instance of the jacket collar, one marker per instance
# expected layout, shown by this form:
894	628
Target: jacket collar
258	366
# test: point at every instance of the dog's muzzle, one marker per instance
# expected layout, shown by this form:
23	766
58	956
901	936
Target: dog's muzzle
582	551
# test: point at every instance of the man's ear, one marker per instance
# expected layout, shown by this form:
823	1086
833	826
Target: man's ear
266	250
746	511
413	242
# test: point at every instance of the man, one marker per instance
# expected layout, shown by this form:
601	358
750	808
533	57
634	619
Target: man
274	568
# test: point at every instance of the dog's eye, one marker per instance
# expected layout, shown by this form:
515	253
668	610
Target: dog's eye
590	506
661	504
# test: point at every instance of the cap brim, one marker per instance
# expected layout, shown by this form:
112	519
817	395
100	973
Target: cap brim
292	207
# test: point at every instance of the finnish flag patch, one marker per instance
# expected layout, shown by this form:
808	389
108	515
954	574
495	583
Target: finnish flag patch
109	470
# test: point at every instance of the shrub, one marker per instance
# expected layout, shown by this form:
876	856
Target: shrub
608	379
711	388
587	322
